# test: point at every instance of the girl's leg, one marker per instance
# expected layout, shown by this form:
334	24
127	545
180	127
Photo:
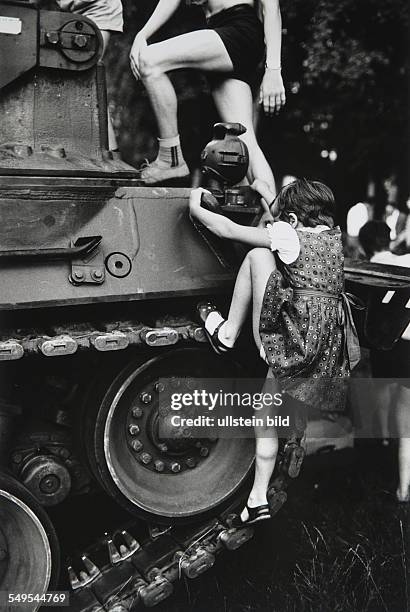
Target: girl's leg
261	265
403	427
249	286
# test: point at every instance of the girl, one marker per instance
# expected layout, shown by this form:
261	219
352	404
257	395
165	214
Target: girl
302	322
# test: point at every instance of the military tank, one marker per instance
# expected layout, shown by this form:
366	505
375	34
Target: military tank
99	282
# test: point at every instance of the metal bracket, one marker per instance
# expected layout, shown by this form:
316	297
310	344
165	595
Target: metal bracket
89	269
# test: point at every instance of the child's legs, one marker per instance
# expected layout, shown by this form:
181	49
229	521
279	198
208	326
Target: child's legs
266	449
250	285
262	264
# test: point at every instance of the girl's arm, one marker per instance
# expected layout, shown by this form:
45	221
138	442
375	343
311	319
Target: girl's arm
225	228
272	92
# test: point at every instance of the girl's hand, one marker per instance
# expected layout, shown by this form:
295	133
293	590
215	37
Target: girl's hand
272	92
195	200
139	44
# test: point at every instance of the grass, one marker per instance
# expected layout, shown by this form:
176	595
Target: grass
339	545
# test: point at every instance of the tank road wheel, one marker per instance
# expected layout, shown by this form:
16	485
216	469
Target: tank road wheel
162	480
29	554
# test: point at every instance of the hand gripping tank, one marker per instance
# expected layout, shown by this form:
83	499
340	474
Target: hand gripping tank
99	278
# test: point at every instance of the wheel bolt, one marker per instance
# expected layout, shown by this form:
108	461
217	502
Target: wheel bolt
137	412
145	458
146	398
137	445
134	430
175	467
158	387
163	447
191	463
204	452
159	466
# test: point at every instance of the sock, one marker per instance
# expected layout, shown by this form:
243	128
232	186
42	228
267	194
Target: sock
170	152
212	321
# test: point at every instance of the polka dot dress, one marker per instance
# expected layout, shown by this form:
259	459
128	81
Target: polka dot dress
302	335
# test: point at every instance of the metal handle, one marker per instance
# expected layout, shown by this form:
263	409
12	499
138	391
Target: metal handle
82	246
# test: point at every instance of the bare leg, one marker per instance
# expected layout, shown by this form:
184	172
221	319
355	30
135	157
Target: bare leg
233	99
403	426
203	50
112	140
250	286
261	265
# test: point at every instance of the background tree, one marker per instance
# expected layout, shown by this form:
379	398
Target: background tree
345	66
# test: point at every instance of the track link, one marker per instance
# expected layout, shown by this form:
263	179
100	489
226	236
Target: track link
121	574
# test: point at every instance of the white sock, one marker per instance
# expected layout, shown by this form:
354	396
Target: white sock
170	152
212	321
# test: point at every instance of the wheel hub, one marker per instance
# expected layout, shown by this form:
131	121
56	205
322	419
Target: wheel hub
176	451
163	476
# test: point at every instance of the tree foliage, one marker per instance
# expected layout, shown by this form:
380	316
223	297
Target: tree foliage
345	66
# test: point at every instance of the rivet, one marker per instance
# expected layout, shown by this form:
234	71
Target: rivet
137	412
97	274
146	398
145	458
159	387
134	430
159	466
191	463
137	445
17	457
175	467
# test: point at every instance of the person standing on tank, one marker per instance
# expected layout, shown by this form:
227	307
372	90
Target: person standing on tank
229	49
108	16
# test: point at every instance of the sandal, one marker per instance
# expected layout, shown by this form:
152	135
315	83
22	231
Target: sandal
204	310
255	515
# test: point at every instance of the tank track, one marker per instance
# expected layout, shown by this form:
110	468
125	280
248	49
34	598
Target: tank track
111	336
122	574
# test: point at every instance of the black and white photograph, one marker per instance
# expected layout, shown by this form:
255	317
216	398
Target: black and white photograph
204	305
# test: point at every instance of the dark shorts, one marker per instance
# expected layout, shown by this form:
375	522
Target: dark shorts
242	34
392	364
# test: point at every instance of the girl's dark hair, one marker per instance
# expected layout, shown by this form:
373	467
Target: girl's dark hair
312	202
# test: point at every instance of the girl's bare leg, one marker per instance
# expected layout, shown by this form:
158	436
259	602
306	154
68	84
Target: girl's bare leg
261	264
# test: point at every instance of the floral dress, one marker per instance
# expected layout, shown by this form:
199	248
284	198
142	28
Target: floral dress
302	322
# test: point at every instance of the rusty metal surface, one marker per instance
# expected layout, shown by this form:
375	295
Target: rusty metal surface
149	227
52	95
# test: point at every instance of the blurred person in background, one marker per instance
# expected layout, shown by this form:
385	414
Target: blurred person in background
374	238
